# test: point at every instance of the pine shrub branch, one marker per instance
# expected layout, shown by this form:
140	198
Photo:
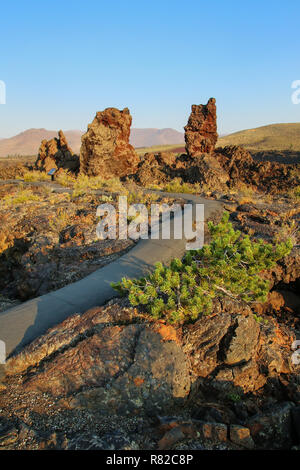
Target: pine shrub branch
228	267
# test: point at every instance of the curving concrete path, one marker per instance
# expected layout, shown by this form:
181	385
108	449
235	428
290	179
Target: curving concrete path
20	325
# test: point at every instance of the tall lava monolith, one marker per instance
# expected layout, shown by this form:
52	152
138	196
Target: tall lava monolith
201	130
105	149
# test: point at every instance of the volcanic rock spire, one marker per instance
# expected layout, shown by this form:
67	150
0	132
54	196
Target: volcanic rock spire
105	149
201	130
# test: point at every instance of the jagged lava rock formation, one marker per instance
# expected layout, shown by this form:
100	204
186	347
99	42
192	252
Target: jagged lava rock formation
56	153
105	149
149	170
201	130
214	169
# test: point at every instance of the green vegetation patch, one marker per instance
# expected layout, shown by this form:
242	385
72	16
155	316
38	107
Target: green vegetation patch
228	267
21	196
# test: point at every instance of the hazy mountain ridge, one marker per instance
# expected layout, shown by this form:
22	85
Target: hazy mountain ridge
150	137
272	137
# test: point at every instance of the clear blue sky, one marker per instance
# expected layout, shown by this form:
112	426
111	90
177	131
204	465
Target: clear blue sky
64	60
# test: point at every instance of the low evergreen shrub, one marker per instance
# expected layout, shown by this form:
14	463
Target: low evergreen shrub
227	267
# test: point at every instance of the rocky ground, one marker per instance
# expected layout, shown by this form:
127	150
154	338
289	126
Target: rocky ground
11	168
112	377
283	156
115	379
222	170
49	240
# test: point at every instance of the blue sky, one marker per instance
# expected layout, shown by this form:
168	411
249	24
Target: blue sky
63	61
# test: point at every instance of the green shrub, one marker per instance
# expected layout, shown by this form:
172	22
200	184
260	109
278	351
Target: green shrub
34	175
228	266
295	193
234	397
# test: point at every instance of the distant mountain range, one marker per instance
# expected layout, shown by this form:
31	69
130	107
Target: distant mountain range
271	137
151	137
28	142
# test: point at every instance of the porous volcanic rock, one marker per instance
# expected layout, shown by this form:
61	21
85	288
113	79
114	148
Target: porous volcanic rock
204	169
226	380
10	170
232	351
56	153
201	130
105	149
268	176
220	170
286	271
155	168
272	429
104	361
207	171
